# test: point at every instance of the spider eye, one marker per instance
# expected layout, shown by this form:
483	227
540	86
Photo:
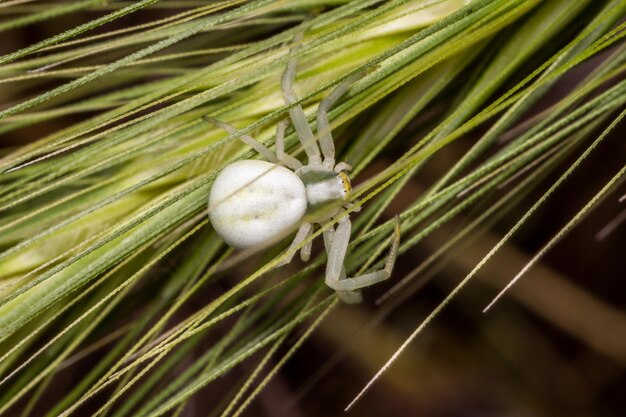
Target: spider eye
347	187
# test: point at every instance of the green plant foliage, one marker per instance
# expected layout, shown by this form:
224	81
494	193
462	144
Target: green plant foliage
104	233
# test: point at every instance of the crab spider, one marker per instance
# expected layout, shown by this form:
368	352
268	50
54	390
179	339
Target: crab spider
254	203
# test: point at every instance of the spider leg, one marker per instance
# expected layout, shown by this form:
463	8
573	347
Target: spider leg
355	208
247	139
342	166
348	297
323	127
303	232
305	252
337	253
298	118
288	160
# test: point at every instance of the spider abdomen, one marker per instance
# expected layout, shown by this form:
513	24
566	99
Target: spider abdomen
255	202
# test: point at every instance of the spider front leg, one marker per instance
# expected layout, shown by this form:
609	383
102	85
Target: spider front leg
337	254
298	118
323	127
348	297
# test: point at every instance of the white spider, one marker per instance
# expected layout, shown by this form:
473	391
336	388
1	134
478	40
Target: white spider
253	202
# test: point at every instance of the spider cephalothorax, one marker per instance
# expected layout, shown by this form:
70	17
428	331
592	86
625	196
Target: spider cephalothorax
326	192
